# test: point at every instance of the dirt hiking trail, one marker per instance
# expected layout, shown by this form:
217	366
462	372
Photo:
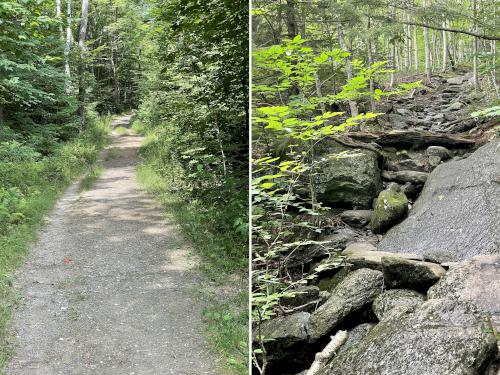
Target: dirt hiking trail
108	287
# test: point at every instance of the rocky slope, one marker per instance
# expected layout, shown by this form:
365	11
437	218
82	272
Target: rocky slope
416	215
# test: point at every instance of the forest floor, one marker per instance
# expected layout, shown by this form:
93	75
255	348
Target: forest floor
110	286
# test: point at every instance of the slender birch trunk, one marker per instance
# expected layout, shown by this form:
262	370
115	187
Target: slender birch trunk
415	48
340	34
427	47
370	62
475	77
67	50
59	18
81	68
445	47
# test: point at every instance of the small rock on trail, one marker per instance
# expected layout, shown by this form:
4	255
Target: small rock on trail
125	304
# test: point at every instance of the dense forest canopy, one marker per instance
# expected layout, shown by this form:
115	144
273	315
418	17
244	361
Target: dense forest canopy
413	36
57	56
183	63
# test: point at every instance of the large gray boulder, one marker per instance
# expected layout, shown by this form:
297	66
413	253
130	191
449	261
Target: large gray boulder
285	338
347	177
440	337
404	273
475	281
356	290
458	209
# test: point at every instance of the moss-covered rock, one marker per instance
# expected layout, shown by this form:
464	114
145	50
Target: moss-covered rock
358	289
347	177
390	299
330	282
391	208
438	337
356	334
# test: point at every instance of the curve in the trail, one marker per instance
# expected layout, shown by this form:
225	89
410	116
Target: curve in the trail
108	288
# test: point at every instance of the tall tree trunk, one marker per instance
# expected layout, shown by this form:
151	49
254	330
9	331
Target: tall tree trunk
303	23
340	34
291	19
279	27
67	50
113	61
392	47
427	48
397	60
445	47
407	41
415	48
81	68
370	62
494	70
435	50
475	76
319	93
59	18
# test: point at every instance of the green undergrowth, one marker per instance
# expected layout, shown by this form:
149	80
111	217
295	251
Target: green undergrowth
30	184
226	321
90	178
196	220
138	127
120	130
227	330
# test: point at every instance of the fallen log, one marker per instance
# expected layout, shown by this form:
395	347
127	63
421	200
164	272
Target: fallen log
413	139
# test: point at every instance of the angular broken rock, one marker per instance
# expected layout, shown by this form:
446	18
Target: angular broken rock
439	256
475	281
439	337
288	328
356	218
414	177
358	289
350	181
442	152
285	338
455	106
365	255
404	273
392	298
456	80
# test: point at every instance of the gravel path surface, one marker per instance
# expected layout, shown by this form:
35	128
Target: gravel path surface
108	288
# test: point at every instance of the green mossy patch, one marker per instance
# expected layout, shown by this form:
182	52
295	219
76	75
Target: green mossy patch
391	207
